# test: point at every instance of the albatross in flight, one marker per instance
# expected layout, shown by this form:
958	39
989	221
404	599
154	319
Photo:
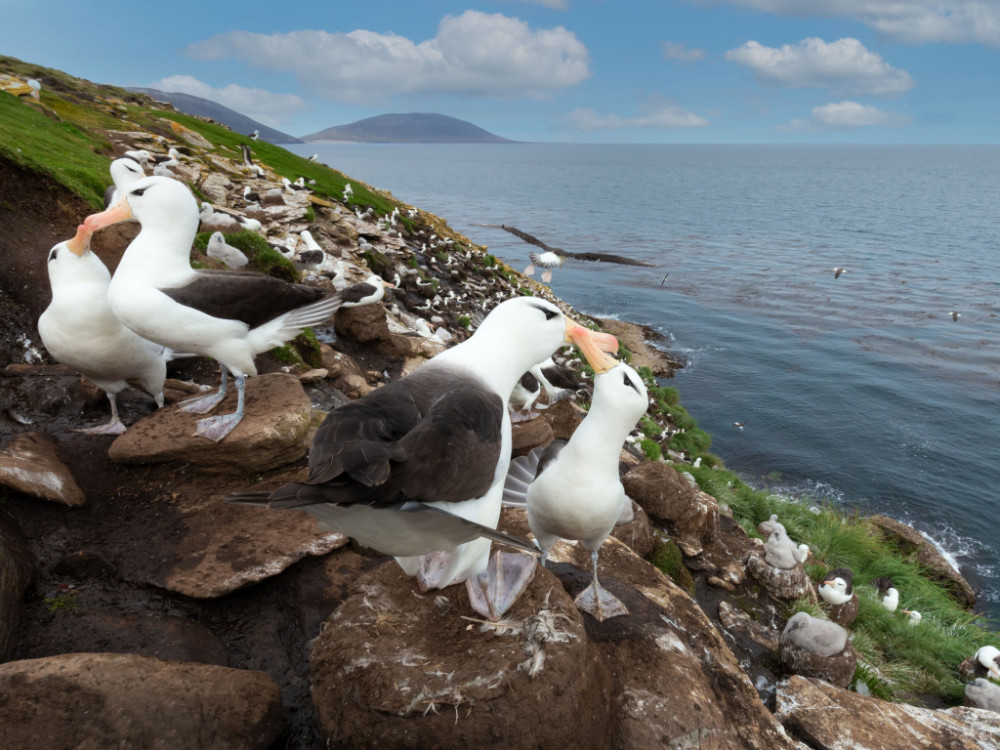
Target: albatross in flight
416	468
230	316
79	329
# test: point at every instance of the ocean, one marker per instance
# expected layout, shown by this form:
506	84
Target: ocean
862	390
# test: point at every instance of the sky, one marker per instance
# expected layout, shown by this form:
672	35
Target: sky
604	71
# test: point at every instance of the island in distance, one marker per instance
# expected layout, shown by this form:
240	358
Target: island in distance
414	127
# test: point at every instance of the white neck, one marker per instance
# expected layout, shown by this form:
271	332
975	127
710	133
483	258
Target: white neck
599	438
162	248
499	367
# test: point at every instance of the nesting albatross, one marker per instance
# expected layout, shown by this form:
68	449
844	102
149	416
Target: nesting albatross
230	316
416	468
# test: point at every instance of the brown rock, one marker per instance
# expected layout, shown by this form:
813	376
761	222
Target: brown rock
30	464
363	324
216	187
17	569
828	718
637	534
88	630
564	417
739	623
96	701
273	433
396	669
530	434
691	515
786	585
924	552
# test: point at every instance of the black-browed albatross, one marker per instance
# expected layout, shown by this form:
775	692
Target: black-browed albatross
79	329
576	492
230	316
416	468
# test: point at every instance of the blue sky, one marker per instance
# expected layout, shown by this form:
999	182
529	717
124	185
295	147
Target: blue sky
660	71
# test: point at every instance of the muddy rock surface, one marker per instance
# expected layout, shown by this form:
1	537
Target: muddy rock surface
30	464
826	717
118	700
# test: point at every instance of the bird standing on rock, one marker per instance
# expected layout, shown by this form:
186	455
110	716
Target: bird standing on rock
230	316
576	492
79	329
415	469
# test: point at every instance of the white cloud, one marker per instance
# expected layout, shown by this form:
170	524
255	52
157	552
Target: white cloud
678	51
264	106
846	116
657	112
844	67
475	54
913	21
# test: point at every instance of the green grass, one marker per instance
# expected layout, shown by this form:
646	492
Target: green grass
668	558
58	149
899	660
651	449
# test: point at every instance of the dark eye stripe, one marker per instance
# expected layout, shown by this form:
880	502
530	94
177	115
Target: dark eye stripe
628	382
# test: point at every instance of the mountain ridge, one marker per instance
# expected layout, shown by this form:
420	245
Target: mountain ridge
410	127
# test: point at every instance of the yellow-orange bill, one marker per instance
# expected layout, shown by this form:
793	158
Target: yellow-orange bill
120	211
596	347
80	242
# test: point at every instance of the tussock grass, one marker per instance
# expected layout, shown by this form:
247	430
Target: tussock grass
900	661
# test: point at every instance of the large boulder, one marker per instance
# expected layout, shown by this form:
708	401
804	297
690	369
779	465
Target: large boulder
911	541
30	463
393	668
274	431
829	718
97	701
691	515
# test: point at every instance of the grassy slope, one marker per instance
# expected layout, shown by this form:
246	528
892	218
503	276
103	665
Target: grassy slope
63	136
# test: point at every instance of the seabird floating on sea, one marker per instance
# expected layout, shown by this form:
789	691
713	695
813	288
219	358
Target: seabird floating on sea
575	491
838	271
230	316
415	469
79	329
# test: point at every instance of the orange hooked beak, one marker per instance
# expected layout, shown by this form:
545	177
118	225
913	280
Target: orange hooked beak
80	242
119	212
596	347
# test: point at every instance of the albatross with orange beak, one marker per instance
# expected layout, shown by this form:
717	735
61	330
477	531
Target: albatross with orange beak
79	329
230	316
416	468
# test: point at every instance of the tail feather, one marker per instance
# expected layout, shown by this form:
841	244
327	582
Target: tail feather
520	475
315	313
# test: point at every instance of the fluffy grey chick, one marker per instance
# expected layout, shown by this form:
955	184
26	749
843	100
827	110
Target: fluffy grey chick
220	250
818	636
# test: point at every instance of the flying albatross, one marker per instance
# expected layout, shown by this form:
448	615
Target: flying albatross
230	316
416	468
79	329
576	492
554	257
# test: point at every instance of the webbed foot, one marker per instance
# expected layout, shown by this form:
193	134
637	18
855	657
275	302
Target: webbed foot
508	574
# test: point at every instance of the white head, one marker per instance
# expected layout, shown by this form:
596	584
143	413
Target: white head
989	657
159	203
72	262
125	171
521	332
621	393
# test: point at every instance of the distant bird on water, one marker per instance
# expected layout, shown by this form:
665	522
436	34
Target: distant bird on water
955	315
739	425
664	281
838	271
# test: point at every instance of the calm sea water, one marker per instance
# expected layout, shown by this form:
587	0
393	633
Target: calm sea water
860	390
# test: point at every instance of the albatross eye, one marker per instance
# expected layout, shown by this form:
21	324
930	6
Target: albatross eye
628	382
550	314
138	192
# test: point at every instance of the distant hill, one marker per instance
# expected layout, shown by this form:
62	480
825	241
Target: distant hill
414	127
195	105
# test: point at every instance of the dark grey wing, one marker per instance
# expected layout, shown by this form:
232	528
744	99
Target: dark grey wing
561	377
455	526
532	240
529	382
357	292
250	297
